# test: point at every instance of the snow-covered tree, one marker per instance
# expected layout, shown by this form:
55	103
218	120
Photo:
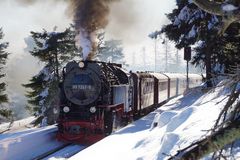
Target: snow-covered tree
54	50
39	93
229	10
3	57
111	51
191	25
225	44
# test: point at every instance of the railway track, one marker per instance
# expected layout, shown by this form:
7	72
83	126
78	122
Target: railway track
44	155
64	151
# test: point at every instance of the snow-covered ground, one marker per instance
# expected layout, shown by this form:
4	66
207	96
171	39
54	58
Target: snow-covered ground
28	144
65	152
157	136
23	142
180	122
16	125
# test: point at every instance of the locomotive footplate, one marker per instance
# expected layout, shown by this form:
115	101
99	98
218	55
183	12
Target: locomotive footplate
80	132
89	132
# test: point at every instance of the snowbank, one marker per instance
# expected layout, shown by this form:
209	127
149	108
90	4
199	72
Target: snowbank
175	125
65	153
17	125
28	144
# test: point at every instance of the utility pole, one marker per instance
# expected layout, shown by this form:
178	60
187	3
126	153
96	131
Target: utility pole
144	57
133	59
177	61
154	36
177	57
155	54
165	41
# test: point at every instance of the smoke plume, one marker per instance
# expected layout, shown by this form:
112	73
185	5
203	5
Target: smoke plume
90	16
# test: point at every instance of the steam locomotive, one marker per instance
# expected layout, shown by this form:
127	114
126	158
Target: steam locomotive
98	98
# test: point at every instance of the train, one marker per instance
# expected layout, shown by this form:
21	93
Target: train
97	98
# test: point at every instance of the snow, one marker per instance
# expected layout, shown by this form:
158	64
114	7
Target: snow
45	46
175	125
212	22
196	15
44	93
188	15
218	68
47	73
184	15
192	32
28	144
17	125
19	140
51	34
229	7
66	152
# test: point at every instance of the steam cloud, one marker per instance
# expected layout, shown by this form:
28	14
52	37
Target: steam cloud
90	16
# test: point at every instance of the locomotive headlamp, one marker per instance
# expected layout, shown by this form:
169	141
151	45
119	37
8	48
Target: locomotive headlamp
66	109
55	110
93	109
81	64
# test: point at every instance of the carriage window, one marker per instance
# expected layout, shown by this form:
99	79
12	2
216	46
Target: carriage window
148	87
162	86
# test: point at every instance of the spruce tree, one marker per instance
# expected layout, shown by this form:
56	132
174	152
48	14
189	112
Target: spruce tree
54	50
39	85
189	25
224	48
3	57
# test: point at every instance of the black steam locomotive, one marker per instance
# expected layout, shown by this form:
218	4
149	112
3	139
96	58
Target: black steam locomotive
98	97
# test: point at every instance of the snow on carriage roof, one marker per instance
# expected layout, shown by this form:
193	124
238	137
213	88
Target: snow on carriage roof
175	75
159	75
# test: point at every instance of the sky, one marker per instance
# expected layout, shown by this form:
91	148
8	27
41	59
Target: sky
142	18
130	21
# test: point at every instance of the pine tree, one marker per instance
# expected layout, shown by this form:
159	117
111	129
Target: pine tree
3	58
54	50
